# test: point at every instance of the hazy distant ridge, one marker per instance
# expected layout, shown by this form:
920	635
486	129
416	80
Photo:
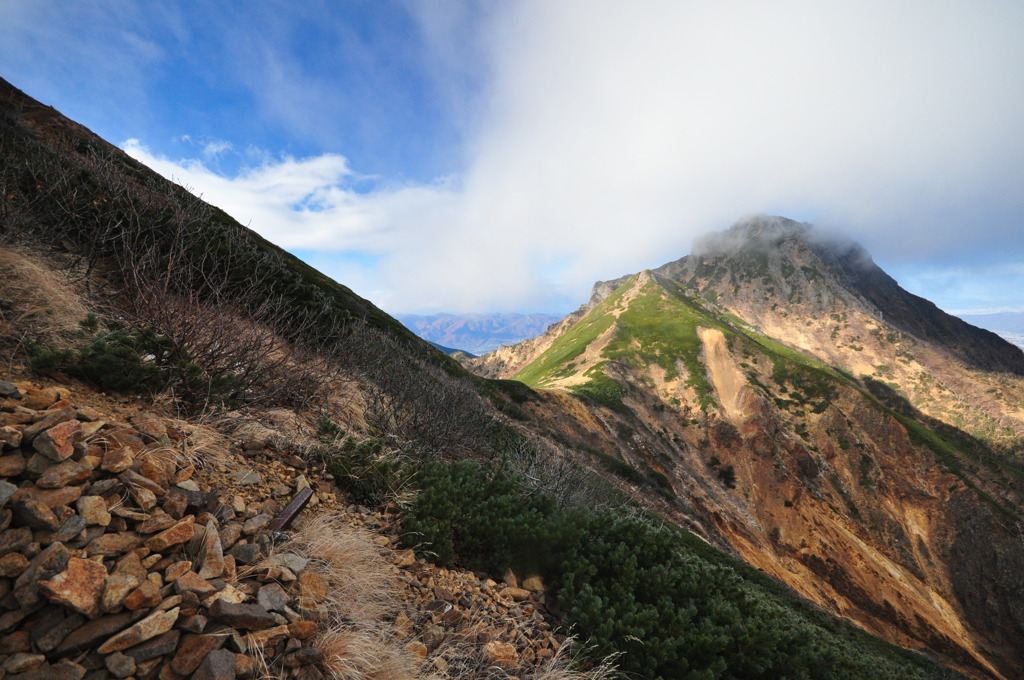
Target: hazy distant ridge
477	333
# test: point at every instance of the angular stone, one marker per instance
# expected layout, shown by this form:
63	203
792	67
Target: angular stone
180	532
39	398
193	650
119	664
500	653
158	521
112	545
218	665
46	421
94	510
190	581
155	624
7	490
175	504
273	597
131	564
9	390
228	593
534	584
158	646
244	616
149	427
212	559
68	473
85	636
17	641
131	478
313	585
72	527
10	437
79	587
175	570
64	669
155	470
23	662
15	540
302	629
12	465
117	460
54	627
264	638
246	477
47	564
58	442
118	587
49	497
32	513
145	596
143	497
12	564
517	594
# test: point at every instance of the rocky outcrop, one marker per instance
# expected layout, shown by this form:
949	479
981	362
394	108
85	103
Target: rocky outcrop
115	563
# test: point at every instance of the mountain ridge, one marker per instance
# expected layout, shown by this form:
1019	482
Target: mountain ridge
739	355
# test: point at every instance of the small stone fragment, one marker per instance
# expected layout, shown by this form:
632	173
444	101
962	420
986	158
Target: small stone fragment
58	442
246	477
146	595
161	645
193	582
68	473
155	624
94	510
193	649
500	653
12	465
177	534
218	665
79	587
212	560
120	665
273	597
12	565
117	460
45	565
244	616
23	662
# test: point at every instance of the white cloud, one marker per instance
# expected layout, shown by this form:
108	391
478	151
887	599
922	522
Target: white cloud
610	135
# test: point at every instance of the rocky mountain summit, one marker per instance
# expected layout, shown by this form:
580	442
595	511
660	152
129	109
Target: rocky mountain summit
780	395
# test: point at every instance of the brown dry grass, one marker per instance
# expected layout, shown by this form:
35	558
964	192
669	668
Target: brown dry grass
39	301
361	587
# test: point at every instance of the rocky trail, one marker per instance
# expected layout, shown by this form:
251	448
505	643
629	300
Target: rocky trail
136	545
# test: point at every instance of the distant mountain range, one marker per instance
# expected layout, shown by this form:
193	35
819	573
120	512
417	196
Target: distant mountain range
1009	325
477	333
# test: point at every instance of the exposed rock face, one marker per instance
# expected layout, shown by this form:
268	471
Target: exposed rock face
853	486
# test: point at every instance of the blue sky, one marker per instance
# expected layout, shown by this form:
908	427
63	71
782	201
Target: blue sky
482	156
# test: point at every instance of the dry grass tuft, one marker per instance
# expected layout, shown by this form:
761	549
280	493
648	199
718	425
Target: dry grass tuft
361	587
356	653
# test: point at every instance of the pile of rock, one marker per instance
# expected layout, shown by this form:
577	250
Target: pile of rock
509	622
114	562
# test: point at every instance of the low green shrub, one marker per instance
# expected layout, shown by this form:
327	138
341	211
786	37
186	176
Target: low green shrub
671	605
369	471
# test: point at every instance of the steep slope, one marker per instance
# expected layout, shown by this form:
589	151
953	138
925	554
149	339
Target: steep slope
204	316
723	392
